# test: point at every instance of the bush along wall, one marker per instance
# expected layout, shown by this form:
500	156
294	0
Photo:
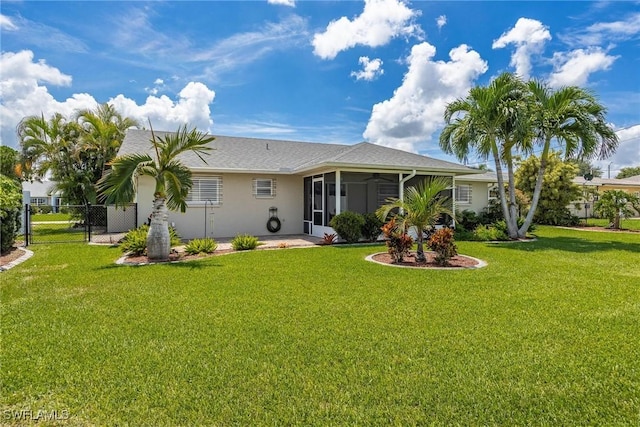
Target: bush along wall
10	212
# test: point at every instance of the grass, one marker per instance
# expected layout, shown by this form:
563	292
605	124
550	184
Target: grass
51	217
627	224
547	334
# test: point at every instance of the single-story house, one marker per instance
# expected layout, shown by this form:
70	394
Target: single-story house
246	182
474	192
40	193
598	186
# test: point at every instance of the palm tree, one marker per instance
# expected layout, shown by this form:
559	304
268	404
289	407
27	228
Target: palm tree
491	121
573	118
172	179
421	208
104	130
73	153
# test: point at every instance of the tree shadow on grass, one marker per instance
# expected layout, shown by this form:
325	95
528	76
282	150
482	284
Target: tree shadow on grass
194	264
572	244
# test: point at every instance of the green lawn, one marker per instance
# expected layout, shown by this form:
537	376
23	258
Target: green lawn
628	224
547	334
51	217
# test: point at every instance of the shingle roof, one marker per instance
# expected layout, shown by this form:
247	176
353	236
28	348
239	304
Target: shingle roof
624	182
236	154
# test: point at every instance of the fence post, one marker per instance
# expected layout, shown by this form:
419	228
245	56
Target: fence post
27	224
88	221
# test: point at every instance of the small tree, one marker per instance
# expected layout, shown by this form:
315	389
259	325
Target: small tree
172	179
615	204
558	189
421	208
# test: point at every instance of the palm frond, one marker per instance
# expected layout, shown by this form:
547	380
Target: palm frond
117	186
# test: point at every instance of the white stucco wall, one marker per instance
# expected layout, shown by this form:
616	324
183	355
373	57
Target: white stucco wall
239	212
479	196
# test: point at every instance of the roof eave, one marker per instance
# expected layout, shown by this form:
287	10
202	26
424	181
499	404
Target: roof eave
383	168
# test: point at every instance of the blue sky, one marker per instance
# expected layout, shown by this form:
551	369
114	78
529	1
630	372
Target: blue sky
380	70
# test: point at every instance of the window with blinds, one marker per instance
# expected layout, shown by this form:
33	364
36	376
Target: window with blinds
264	188
206	190
463	193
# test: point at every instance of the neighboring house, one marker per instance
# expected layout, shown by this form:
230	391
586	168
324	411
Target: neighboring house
247	181
596	186
40	193
473	192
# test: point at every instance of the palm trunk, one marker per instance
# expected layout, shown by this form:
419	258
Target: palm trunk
536	190
513	234
158	240
420	252
512	220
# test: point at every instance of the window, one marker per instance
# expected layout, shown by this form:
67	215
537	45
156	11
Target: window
38	201
206	190
264	188
463	194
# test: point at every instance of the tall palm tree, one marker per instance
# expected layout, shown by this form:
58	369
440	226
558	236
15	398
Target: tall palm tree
492	122
421	208
573	118
172	181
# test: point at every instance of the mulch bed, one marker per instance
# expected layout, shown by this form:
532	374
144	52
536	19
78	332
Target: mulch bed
173	257
12	255
458	261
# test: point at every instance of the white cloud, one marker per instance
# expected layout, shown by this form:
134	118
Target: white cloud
31	33
158	85
24	92
371	69
7	24
600	32
441	21
290	3
415	111
574	68
380	21
192	107
529	37
628	152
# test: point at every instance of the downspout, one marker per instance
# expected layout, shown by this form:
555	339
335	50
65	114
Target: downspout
402	182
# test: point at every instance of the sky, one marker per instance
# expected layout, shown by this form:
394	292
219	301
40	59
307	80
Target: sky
381	71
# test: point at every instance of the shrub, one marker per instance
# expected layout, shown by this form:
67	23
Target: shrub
329	239
442	243
135	241
45	209
244	242
201	246
10	212
468	220
348	225
489	233
372	227
398	242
